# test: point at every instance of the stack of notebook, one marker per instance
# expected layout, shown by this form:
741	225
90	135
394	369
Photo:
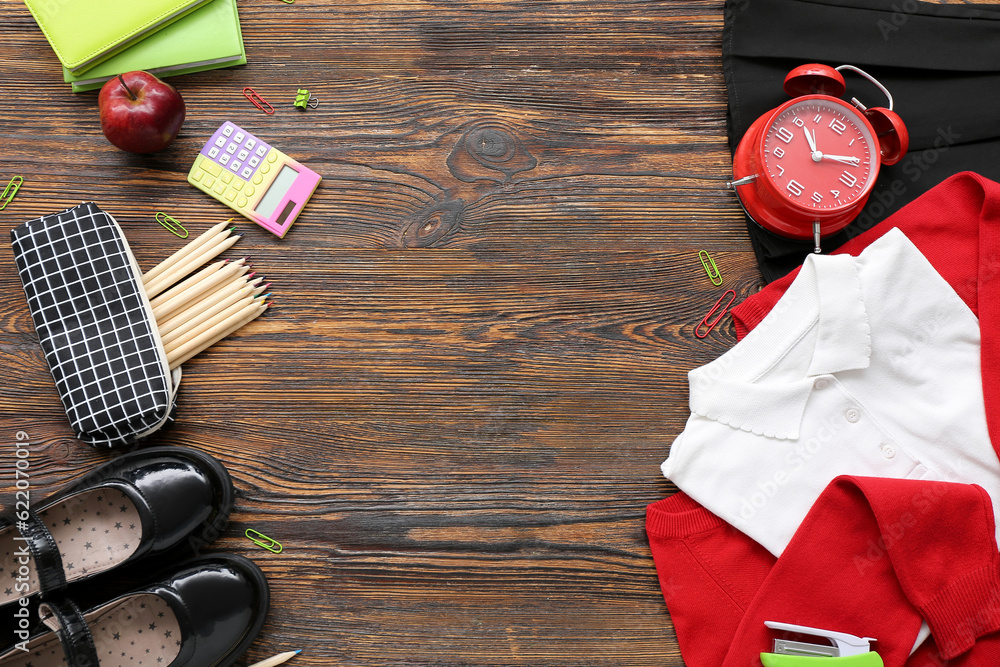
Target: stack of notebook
162	37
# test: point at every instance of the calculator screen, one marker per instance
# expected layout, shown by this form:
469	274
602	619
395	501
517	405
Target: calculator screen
278	188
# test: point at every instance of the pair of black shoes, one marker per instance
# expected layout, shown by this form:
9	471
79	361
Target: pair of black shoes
146	506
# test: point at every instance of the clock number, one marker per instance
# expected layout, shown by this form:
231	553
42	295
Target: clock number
817	197
798	121
781	170
835	193
817	118
848	179
778	151
837	126
785	135
795	187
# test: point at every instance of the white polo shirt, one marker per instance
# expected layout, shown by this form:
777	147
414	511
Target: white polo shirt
867	365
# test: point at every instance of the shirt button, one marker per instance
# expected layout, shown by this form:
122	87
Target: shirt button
822	383
852	415
888	451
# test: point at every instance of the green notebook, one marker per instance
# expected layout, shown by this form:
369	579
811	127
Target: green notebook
207	38
85	32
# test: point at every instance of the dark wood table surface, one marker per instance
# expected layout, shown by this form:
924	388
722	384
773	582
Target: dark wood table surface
454	416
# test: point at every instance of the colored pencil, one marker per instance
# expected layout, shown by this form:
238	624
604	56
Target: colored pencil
179	355
209	325
185	251
189	265
196	290
209	313
159	299
279	659
193	310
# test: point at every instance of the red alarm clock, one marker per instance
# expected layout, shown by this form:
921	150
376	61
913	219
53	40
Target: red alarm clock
805	169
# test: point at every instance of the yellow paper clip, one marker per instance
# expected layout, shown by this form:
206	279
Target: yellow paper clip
171	225
718	311
8	192
259	539
710	268
257	100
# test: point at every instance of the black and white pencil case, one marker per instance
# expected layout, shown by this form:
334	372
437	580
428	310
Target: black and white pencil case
95	325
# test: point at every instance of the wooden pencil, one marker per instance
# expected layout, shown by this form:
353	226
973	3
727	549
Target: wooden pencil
189	264
208	325
185	251
196	308
227	273
206	315
187	282
279	659
182	354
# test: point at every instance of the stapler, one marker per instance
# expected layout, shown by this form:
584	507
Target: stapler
840	649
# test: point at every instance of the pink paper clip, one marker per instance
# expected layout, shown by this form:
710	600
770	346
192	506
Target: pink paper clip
257	100
718	311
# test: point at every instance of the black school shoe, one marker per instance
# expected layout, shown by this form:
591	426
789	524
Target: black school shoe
205	613
137	505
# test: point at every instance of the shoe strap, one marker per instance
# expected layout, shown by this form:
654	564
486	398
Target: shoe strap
45	552
67	621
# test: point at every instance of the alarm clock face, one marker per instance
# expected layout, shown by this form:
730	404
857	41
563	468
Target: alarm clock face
819	153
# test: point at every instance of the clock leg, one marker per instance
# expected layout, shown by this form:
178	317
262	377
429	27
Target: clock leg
817	250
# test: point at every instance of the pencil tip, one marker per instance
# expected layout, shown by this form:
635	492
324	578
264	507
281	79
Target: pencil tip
251	274
299	651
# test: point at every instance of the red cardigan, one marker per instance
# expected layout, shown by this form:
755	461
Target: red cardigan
719	585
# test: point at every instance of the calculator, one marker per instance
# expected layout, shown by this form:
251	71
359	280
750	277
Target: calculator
253	178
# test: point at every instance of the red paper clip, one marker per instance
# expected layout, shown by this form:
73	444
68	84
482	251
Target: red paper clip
717	308
257	100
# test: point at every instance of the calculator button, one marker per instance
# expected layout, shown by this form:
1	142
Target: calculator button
224	159
196	176
219	188
227	130
231	148
235	165
241	202
247	172
261	151
264	168
210	167
249	191
238	137
258	179
226	177
230	195
220	142
243	154
254	161
272	156
208	182
213	151
250	143
237	184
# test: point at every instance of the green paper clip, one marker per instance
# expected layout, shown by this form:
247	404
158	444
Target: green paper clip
288	2
259	539
171	225
304	100
710	268
8	192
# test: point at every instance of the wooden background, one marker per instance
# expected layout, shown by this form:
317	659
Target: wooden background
454	416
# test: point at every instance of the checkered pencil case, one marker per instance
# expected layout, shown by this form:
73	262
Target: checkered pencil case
95	325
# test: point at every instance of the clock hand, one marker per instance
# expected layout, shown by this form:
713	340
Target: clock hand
811	140
840	158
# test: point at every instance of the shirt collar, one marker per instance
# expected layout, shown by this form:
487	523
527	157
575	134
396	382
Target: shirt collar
753	387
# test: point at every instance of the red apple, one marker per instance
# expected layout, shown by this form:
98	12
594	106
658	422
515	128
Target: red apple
140	113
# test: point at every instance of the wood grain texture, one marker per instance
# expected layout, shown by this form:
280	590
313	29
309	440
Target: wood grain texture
454	416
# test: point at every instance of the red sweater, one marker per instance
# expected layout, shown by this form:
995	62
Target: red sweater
719	584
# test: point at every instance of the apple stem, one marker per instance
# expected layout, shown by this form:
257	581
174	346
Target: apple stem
131	95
